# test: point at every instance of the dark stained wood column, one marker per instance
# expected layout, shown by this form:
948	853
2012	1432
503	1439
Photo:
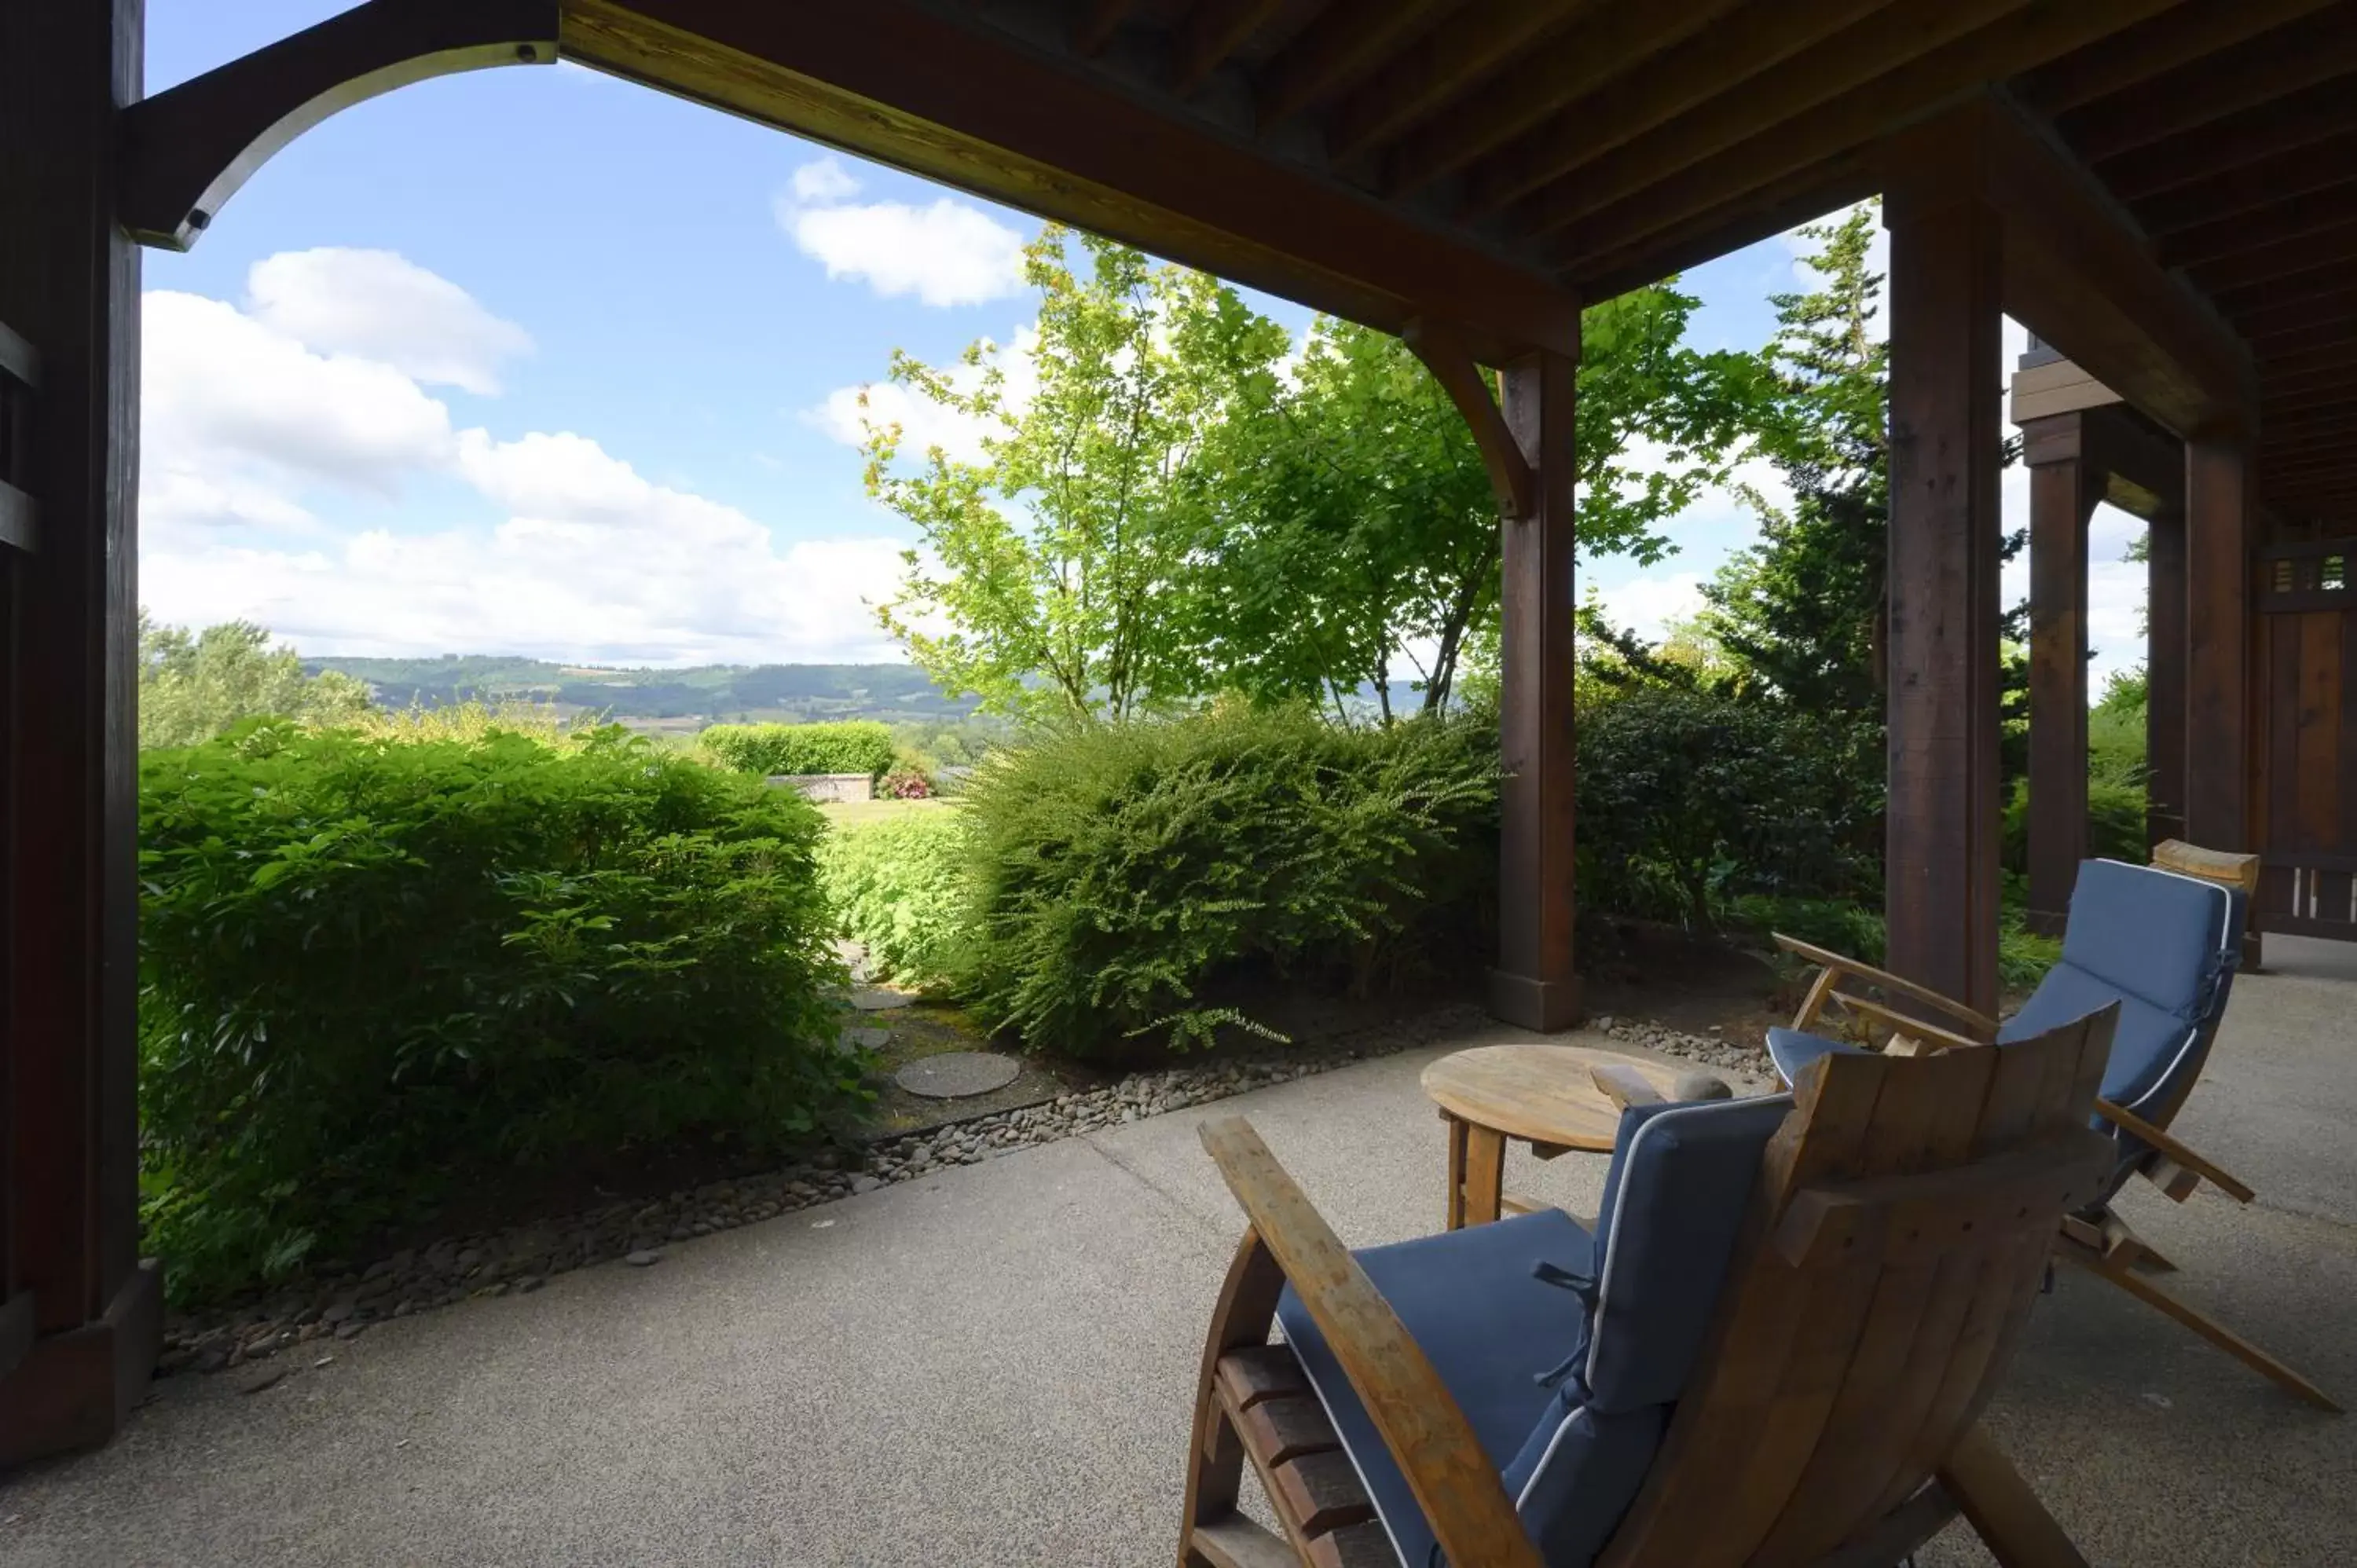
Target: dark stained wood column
2164	714
1533	984
2217	637
2063	490
1941	876
69	284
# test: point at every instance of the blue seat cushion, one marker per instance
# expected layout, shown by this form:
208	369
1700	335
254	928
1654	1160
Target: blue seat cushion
2150	934
1491	1329
2147	1046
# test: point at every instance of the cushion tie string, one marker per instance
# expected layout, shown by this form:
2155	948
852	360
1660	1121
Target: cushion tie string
1584	1288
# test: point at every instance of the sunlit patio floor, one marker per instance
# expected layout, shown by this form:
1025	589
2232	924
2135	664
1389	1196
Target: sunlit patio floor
993	1364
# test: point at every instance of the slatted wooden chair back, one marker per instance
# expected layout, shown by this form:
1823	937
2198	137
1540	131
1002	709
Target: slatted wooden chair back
1900	1229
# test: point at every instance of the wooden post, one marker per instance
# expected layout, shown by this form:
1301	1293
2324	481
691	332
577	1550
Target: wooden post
69	284
1941	874
2217	652
2063	489
2164	720
1533	984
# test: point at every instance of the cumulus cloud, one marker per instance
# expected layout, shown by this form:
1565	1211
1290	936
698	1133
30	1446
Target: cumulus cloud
253	431
380	306
850	412
946	253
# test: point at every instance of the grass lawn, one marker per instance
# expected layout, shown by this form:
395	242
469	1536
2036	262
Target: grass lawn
847	813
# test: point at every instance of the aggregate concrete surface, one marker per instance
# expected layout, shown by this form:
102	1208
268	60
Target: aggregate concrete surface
994	1363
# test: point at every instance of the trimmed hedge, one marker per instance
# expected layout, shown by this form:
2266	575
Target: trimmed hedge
370	969
1122	873
898	886
853	746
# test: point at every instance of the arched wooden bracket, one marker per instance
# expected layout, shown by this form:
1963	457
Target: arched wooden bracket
1444	352
188	149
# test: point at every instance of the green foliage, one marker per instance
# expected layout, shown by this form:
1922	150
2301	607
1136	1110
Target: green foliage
192	687
1691	795
370	969
1855	931
854	745
1123	872
898	885
2116	823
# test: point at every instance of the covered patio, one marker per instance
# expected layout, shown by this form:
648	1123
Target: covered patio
2161	189
996	1364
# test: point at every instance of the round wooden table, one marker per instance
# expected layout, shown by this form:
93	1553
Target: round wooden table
1540	1094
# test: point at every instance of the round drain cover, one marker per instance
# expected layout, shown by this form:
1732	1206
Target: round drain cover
953	1074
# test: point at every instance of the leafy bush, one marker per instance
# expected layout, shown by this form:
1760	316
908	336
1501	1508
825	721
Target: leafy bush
1690	797
368	969
898	886
853	746
904	781
1122	872
2115	824
1855	931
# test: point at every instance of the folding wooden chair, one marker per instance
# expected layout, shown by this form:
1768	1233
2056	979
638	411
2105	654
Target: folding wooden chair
1772	1350
2163	943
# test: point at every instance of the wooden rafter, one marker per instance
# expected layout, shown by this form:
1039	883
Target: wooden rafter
2326	251
1212	32
2314	381
2301	120
1458	57
1758	151
2316	51
1581	59
2318	166
2190	33
2325	326
2284	219
2279	305
1339	46
1771	210
1099	21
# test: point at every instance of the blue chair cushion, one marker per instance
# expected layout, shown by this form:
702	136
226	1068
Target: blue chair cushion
2147	1046
1491	1330
2151	934
1675	1196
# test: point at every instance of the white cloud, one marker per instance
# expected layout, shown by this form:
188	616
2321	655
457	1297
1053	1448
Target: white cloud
1649	604
251	432
850	412
945	253
380	306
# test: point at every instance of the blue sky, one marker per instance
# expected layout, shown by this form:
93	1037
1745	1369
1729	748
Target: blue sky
534	360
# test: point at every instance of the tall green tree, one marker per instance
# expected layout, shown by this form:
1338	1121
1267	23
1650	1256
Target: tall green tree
1057	560
1804	611
192	686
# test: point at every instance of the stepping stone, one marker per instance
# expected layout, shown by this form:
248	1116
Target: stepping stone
852	1040
956	1074
876	999
854	956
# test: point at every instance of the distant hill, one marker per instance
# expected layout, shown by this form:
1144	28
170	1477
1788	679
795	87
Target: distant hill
660	699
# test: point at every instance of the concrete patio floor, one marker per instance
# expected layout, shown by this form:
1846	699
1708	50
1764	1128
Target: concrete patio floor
994	1364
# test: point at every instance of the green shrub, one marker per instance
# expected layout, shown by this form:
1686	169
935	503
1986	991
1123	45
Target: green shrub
1688	797
853	746
1123	871
369	969
2115	824
898	886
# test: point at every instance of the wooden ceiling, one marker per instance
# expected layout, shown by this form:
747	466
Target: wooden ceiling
1502	159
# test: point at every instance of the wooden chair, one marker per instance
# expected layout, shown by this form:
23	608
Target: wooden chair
1774	1351
2165	943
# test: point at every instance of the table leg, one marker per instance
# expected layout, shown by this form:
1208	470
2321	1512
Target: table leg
1455	1220
1480	1188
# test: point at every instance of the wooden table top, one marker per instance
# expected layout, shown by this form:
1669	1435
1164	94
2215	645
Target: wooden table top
1540	1093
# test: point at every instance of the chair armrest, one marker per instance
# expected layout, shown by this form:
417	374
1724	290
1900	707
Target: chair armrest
1979	1022
1460	1493
1905	1024
1624	1086
2144	1131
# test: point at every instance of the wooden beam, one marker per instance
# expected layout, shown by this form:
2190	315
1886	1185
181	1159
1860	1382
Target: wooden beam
1941	863
2290	307
2063	489
2209	89
2164	727
1850	69
1211	33
1099	21
2254	187
899	82
2278	127
1579	62
2326	251
68	749
2217	573
1341	45
2192	32
1760	215
188	149
1532	985
1458	57
2287	216
1444	353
